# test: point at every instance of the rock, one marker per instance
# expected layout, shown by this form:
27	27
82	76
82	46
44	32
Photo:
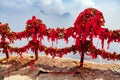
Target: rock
116	71
1	70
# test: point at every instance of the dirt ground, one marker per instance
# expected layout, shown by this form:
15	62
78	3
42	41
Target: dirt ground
46	68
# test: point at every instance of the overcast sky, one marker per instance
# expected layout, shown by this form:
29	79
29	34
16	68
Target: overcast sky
56	13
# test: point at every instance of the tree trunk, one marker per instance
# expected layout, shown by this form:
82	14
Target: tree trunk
82	59
36	54
7	56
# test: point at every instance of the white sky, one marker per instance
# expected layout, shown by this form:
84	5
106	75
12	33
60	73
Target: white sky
16	12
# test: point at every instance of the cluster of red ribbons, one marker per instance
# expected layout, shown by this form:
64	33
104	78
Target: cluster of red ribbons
86	27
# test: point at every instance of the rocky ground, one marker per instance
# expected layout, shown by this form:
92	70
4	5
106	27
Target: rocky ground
46	68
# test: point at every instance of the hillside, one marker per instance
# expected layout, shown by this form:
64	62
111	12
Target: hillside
46	68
